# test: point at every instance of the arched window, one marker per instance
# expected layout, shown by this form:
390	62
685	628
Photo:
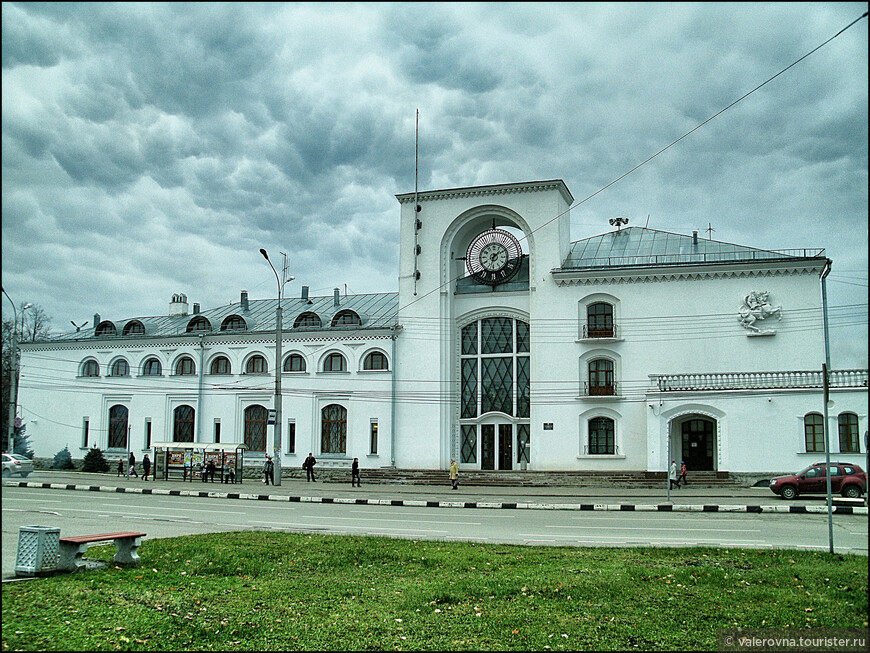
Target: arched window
307	320
106	328
199	323
814	434
601	440
255	427
152	367
91	368
220	365
333	431
376	360
234	323
848	427
119	368
599	320
294	363
334	363
134	328
346	318
256	365
601	382
185	366
182	428
118	427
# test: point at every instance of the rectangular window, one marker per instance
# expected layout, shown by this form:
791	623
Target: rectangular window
148	433
217	430
373	437
86	424
468	444
291	436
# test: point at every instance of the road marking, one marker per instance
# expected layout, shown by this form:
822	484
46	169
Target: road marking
381	519
664	528
223	512
322	526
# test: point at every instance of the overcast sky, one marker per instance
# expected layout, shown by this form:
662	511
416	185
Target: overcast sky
152	149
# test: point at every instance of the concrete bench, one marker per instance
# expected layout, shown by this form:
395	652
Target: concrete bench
72	549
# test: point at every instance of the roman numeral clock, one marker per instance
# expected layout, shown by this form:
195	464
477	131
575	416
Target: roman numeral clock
494	257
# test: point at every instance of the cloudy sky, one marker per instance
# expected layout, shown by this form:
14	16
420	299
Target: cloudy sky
151	149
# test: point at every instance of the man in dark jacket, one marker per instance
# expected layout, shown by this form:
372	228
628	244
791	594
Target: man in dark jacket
309	464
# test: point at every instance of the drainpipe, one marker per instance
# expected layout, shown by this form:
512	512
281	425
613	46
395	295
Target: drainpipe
196	436
393	401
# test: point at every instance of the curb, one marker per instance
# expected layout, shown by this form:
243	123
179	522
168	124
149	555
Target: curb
417	503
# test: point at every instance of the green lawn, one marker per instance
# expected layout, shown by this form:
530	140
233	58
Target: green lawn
272	591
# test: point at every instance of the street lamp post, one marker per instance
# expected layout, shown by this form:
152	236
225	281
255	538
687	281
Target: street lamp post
279	322
13	371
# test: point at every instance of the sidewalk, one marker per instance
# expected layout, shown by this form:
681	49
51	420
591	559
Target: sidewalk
687	498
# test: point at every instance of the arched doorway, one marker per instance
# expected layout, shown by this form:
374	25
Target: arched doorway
698	443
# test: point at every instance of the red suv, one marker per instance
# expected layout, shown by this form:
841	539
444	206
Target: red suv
846	478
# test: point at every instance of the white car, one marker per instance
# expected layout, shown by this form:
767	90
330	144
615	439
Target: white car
16	464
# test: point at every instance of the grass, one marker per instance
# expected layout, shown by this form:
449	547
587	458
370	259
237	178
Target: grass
280	591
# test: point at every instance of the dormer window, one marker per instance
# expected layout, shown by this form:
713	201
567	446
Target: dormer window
106	328
197	324
134	328
307	320
234	323
346	318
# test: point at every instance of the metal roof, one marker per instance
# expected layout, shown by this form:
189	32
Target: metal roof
376	311
640	246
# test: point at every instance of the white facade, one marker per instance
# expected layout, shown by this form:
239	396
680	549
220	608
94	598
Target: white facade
612	353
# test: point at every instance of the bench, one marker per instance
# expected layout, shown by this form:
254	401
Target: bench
72	549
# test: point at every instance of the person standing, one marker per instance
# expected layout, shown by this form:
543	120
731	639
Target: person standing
133	471
120	466
672	475
309	464
354	473
210	468
146	467
683	471
454	474
269	471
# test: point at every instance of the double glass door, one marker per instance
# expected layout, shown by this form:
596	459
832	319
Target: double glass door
496	446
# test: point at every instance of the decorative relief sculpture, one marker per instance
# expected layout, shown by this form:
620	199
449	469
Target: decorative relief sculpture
757	307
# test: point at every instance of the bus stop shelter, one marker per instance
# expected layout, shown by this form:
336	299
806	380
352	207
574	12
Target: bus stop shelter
189	460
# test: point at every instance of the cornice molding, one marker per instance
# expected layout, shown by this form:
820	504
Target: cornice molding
484	191
602	277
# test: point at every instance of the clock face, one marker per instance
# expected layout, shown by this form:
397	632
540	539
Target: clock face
494	257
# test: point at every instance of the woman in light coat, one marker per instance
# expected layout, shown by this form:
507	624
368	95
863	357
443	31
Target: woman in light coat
454	474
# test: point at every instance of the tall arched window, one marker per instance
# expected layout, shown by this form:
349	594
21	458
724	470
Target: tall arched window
220	365
118	426
152	367
182	428
601	440
814	434
848	427
255	427
334	363
601	382
119	368
256	365
185	366
375	360
91	368
333	433
599	320
294	363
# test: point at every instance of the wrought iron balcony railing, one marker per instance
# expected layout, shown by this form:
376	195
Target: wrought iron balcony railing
606	390
593	331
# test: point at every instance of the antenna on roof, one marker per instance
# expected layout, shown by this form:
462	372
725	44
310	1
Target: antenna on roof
647	220
709	231
618	222
79	327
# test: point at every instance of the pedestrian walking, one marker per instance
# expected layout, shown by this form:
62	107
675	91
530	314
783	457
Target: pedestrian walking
269	471
354	473
683	471
120	466
672	476
308	466
146	467
454	474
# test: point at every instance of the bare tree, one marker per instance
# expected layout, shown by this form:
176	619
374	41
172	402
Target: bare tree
35	324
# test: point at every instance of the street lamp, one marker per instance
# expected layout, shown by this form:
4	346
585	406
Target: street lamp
279	321
13	370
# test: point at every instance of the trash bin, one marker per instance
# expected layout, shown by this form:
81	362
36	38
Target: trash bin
38	550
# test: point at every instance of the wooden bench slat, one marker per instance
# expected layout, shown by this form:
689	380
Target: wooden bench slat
81	539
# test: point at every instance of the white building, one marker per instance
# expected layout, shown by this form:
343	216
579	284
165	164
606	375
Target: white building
508	346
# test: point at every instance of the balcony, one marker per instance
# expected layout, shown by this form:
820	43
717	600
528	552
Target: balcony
606	390
591	332
756	380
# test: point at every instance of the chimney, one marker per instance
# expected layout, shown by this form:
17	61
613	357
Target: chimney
96	320
195	308
335	297
695	238
305	293
178	305
244	300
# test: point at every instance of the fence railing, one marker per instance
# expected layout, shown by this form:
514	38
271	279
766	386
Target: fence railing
757	380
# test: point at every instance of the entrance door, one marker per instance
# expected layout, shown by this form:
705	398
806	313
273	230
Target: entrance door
487	446
505	446
699	436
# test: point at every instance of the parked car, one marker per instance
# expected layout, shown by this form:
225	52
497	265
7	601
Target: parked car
15	464
846	478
